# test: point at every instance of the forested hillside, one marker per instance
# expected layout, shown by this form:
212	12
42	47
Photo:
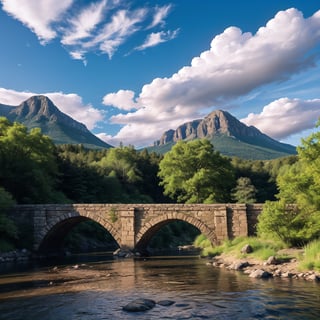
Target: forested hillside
34	170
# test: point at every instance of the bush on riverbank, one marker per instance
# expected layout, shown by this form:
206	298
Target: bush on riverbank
311	257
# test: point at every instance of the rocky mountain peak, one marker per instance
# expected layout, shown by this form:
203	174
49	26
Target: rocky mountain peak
217	122
40	112
42	109
37	106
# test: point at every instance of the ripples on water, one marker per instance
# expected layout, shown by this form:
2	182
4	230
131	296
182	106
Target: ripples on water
99	290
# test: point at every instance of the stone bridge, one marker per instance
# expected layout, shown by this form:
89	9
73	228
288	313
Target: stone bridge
133	225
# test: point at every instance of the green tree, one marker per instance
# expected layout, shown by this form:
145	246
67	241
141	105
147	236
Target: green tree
262	175
122	162
298	184
245	191
28	167
193	172
8	230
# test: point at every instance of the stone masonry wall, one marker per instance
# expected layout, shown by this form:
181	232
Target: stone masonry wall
132	225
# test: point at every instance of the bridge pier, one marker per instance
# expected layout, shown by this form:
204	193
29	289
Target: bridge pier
127	229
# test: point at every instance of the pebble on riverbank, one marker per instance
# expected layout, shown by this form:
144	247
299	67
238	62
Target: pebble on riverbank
271	268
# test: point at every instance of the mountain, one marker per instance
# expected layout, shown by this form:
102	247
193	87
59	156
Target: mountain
40	112
228	135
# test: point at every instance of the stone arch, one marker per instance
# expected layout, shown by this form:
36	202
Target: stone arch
52	235
154	225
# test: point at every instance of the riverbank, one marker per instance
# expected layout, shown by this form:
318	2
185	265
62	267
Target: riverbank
286	268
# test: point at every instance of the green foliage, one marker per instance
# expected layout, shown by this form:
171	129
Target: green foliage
135	171
193	172
311	257
113	216
262	175
8	230
201	241
299	184
6	200
121	162
28	167
262	249
244	192
114	175
206	247
279	220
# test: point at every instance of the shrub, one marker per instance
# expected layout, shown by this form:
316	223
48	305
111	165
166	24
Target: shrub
311	258
280	221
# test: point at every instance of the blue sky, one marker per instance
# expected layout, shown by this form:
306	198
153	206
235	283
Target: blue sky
130	70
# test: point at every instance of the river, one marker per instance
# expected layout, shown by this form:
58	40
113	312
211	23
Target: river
95	289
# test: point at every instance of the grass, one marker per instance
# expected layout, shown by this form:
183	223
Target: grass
262	249
311	257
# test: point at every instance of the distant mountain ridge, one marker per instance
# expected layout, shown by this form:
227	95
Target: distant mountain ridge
41	112
229	136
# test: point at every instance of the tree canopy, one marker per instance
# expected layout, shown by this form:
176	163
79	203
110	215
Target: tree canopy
298	184
28	168
245	191
193	172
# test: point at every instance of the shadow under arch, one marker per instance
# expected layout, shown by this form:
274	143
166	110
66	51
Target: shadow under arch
147	232
54	238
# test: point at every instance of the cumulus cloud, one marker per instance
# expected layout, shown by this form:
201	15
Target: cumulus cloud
101	26
284	117
123	99
71	104
38	15
235	64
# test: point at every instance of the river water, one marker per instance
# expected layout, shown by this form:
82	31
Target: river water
99	289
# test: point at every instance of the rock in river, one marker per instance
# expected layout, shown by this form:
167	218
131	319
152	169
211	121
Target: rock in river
139	305
165	303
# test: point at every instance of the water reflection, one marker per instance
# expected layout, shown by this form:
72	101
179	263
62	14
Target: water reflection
98	290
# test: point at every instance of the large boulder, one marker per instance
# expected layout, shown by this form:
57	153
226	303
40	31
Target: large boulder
260	274
247	249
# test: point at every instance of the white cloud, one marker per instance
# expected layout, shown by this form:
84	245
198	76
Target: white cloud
123	99
284	117
78	55
236	64
160	14
100	26
71	104
38	15
156	38
122	25
84	23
